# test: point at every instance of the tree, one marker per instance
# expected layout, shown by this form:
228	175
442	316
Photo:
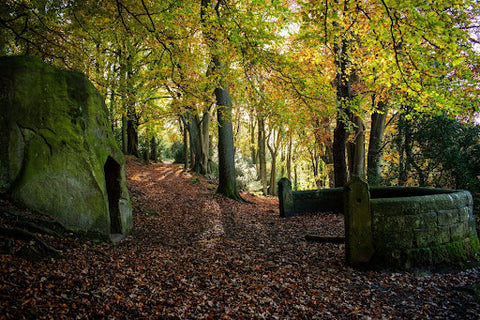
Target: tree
211	22
375	146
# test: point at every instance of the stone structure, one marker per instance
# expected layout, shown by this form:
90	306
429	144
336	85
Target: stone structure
359	247
424	229
295	203
395	226
57	151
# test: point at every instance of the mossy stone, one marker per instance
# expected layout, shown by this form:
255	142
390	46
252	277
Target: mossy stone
55	144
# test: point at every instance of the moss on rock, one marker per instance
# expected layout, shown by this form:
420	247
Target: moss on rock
55	143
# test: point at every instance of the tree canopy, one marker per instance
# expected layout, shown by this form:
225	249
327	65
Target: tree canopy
305	79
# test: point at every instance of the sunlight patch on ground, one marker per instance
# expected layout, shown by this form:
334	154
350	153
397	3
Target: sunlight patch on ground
213	213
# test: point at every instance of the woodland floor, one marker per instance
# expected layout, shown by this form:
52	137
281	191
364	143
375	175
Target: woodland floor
195	254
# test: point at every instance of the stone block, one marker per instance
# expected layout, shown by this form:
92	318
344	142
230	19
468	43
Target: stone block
447	217
425	237
426	220
394	240
464	214
285	198
358	222
443	235
459	231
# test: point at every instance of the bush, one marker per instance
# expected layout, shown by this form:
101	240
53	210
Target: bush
175	152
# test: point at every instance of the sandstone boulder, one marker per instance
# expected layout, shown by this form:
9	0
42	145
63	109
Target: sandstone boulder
58	155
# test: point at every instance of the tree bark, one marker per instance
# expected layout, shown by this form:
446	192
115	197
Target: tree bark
344	97
289	158
124	135
226	153
273	168
375	145
339	158
359	148
153	150
132	133
199	140
227	184
262	159
186	148
253	145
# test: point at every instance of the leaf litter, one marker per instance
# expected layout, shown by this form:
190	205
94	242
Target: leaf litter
197	255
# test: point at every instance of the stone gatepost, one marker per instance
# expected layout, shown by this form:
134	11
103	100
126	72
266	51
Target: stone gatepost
358	222
285	198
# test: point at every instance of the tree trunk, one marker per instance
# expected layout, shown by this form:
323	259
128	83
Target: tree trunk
185	151
253	145
375	145
153	150
227	184
226	153
344	97
295	183
339	158
401	146
124	135
262	159
132	133
289	158
314	160
273	170
199	140
205	141
272	190
359	148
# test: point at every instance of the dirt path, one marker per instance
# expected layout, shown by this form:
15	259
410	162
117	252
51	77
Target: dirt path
197	255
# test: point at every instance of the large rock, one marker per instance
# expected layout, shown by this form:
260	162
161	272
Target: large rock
58	155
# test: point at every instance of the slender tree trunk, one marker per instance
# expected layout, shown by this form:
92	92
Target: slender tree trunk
350	148
295	172
262	159
339	158
375	144
124	135
153	150
132	132
272	190
289	158
253	145
198	147
273	170
359	148
111	109
401	146
146	151
185	151
205	141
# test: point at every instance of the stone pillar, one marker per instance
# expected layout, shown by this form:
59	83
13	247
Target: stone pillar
359	246
285	198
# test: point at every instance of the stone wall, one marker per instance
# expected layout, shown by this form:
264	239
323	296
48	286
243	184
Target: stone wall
424	230
410	226
297	203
